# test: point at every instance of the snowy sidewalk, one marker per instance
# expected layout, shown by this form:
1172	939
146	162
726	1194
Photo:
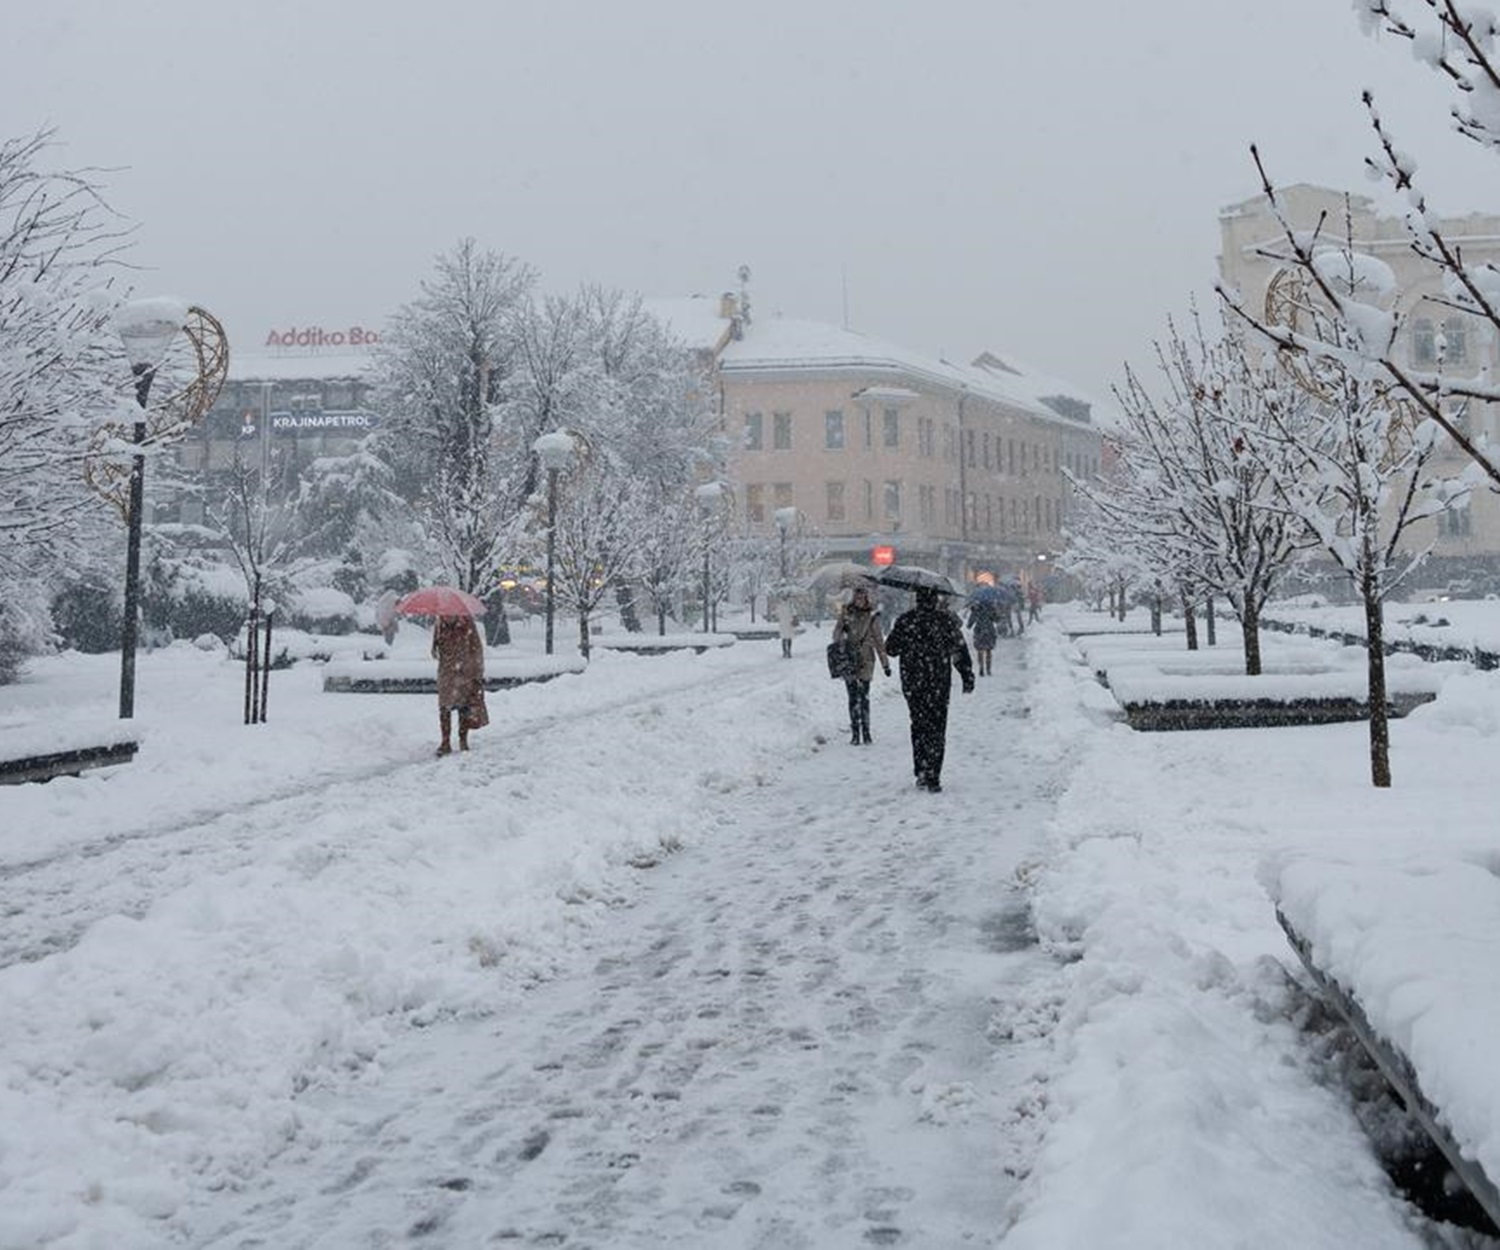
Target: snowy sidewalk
783	1037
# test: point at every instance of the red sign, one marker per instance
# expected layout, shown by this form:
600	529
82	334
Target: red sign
317	336
882	556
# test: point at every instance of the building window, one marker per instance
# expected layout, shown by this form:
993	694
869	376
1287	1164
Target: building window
869	500
1456	521
755	503
835	501
1423	343
781	431
927	504
833	429
754	431
893	501
869	429
925	441
781	494
892	427
986	449
1010	452
969	447
1455	341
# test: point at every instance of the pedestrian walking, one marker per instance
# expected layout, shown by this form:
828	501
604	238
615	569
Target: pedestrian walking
1008	608
459	651
984	629
857	626
928	641
1034	601
786	626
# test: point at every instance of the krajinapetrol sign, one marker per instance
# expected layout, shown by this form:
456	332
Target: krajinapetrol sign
322	421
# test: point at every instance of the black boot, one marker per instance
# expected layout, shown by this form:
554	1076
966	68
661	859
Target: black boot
854	736
865	734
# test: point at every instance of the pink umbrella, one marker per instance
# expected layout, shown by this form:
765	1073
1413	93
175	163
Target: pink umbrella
440	601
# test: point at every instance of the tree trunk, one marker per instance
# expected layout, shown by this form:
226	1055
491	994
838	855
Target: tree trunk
1250	630
1190	622
625	597
1208	616
1156	615
583	632
1380	724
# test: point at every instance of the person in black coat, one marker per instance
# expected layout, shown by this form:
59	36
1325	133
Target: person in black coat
927	640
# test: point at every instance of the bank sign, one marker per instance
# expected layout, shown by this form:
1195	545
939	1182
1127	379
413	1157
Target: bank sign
317	337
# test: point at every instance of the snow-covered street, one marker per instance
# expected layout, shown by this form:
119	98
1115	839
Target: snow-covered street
665	961
781	1036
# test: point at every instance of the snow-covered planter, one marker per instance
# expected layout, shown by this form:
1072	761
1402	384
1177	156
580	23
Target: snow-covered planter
323	610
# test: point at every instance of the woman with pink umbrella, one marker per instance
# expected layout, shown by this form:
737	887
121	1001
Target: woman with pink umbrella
459	651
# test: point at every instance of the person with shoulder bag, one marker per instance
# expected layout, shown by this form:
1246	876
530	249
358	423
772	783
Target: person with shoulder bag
459	651
857	628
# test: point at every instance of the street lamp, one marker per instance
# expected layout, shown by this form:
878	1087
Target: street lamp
786	521
710	496
147	328
555	451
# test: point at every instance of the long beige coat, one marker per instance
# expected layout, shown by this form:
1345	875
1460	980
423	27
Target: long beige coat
460	655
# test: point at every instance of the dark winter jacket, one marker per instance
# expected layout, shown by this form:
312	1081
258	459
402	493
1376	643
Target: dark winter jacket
928	640
984	626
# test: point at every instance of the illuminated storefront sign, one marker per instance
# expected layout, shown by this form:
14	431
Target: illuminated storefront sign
882	556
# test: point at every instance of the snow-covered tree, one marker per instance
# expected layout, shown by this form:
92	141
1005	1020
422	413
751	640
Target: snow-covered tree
599	516
595	363
1220	525
62	372
1361	458
446	373
665	549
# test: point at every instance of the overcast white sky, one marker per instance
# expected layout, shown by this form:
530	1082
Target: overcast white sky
1036	177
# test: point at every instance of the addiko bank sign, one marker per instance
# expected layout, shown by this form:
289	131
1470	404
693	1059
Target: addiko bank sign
317	336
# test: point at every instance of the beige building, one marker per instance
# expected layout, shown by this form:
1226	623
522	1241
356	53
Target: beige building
956	467
1465	542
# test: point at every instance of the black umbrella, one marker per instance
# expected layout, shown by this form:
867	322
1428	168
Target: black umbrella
914	577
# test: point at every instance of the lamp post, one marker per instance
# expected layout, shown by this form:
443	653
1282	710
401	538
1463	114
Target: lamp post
147	328
710	495
555	451
786	521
